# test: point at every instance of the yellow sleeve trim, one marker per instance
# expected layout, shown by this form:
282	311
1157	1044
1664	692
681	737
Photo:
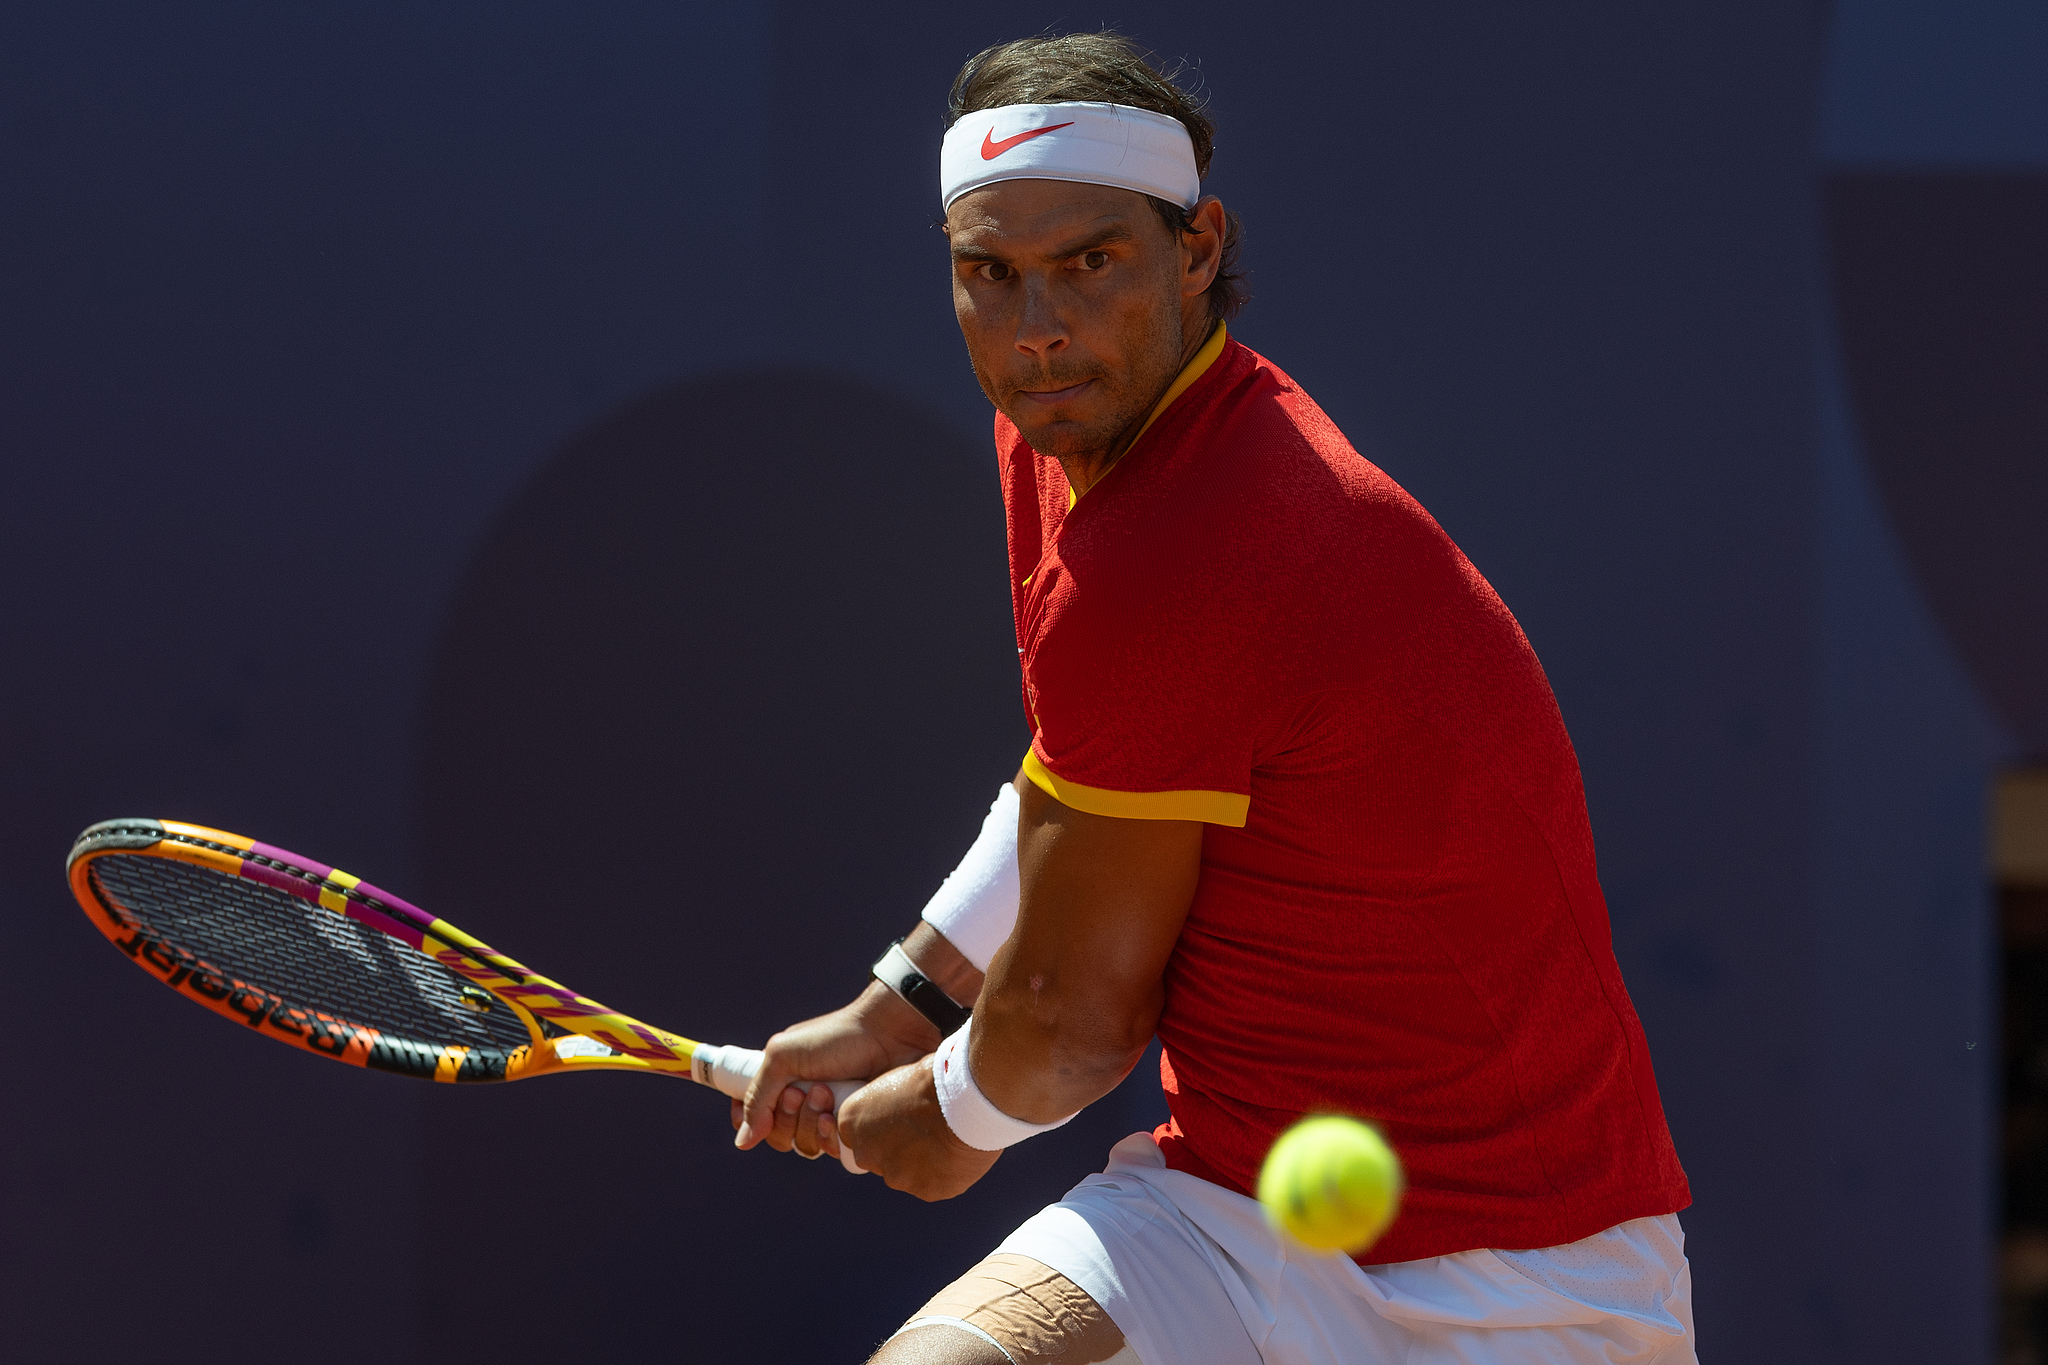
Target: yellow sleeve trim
1215	808
1190	372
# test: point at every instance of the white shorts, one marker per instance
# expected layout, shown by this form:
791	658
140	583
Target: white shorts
1193	1275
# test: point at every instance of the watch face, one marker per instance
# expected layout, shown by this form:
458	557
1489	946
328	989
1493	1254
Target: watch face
895	970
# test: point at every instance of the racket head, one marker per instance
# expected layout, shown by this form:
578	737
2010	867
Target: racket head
311	956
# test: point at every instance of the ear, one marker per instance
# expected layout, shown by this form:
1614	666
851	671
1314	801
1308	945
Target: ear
1202	248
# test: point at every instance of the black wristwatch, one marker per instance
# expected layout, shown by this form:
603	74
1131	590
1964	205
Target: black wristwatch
895	970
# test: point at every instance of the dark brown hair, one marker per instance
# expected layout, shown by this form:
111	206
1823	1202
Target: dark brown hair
1106	68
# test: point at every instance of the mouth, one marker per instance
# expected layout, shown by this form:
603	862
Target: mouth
1052	398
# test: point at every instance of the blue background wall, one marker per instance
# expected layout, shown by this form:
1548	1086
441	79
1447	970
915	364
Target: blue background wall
398	468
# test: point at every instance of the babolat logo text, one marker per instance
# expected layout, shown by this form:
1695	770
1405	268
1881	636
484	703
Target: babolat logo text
257	1008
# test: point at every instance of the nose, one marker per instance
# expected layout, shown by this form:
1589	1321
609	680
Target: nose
1041	332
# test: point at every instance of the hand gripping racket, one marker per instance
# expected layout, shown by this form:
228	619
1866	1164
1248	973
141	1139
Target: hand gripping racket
311	956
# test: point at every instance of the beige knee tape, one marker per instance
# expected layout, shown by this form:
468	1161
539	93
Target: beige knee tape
1037	1315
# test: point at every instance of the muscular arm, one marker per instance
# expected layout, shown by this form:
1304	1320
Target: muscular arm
1070	1001
1072	998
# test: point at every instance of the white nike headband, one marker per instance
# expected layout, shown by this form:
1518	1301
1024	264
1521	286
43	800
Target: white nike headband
1095	144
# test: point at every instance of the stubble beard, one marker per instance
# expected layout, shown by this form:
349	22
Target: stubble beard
1130	399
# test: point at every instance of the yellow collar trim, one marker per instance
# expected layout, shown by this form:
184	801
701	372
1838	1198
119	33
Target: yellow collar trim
1194	370
1190	372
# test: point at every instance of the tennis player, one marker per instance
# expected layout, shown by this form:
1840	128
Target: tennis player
1299	802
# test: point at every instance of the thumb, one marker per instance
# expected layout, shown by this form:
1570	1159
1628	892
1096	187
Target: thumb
757	1116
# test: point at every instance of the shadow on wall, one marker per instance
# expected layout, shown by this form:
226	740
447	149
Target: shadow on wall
1941	290
723	697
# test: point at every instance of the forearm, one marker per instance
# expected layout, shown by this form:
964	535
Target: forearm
943	965
975	909
978	902
1067	1009
903	1032
879	1029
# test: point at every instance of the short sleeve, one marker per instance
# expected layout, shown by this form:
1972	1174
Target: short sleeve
1143	690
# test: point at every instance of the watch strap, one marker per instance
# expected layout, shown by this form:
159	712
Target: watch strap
895	970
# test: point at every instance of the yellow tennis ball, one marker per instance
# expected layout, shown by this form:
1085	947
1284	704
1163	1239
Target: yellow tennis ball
1332	1183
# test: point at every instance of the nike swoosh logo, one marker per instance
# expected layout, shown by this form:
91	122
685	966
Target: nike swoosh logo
991	149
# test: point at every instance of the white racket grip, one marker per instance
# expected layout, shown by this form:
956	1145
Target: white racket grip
732	1070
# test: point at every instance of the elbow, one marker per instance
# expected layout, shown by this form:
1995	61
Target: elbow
1086	1041
1101	1068
1093	1062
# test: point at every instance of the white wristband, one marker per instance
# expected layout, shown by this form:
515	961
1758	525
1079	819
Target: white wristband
976	908
969	1113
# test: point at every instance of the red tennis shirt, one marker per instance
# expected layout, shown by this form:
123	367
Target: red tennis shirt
1248	624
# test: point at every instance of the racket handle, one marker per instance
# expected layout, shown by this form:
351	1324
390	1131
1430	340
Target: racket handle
732	1070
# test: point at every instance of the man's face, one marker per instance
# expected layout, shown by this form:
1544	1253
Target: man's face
1070	298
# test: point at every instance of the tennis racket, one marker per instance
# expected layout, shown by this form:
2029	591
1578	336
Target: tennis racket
310	956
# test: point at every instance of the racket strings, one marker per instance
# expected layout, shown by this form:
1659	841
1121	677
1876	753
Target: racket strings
303	953
289	869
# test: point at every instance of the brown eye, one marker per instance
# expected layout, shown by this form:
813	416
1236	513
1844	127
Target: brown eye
995	270
1094	260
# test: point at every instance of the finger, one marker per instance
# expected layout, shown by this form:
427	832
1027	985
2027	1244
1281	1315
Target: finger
817	1102
739	1113
752	1126
763	1094
828	1135
782	1136
775	1127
